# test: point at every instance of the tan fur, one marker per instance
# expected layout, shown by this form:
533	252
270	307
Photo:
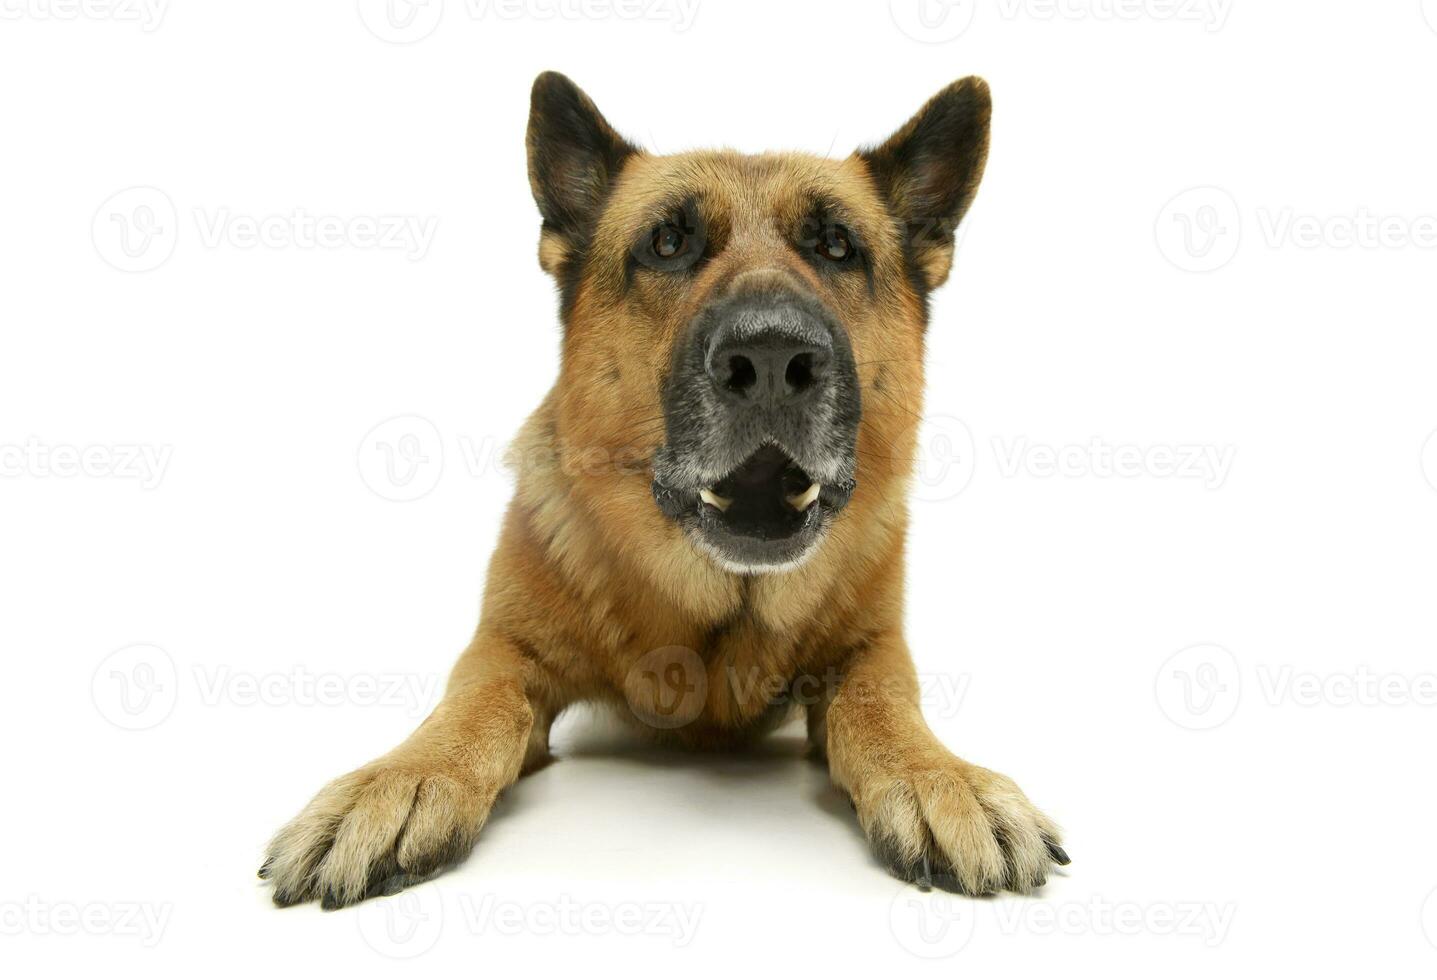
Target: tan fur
589	578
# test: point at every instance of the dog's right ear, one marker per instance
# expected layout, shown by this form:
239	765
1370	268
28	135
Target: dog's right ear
574	156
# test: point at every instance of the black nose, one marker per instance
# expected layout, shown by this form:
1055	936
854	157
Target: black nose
754	362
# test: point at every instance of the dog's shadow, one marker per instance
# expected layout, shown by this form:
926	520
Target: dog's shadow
597	757
592	751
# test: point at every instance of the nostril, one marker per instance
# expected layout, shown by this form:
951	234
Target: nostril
742	375
800	374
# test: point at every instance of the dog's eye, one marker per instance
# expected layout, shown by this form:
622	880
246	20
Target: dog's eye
669	241
834	243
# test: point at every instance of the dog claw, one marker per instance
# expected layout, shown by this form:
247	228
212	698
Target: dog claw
1058	854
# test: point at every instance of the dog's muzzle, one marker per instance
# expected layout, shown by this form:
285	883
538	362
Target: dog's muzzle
761	412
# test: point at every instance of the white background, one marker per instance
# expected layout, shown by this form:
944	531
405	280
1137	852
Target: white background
1263	801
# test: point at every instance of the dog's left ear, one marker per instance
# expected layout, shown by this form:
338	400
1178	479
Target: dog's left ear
574	156
928	171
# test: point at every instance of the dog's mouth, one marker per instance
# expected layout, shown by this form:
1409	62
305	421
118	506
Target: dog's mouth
768	497
766	514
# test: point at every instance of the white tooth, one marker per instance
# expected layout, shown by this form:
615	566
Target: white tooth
714	500
800	501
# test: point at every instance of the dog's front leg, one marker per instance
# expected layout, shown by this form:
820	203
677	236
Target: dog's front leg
409	814
930	816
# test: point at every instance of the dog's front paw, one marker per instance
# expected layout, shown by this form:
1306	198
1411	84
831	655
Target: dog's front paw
379	829
956	826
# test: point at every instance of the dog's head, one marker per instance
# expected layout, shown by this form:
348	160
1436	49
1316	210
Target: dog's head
750	327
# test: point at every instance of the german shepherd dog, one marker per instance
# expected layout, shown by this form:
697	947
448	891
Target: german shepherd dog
708	528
